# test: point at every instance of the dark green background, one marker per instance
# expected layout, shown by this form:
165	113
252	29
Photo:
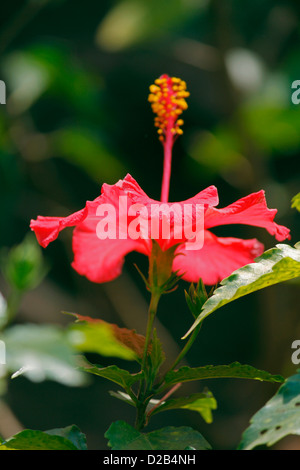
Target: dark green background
77	115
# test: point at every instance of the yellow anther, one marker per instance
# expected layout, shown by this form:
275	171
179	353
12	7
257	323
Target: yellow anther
167	98
154	88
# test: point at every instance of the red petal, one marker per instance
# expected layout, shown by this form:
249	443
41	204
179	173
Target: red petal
171	214
250	210
101	260
47	229
218	258
208	196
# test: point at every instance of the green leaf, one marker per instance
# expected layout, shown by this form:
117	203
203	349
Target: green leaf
41	352
296	202
69	438
202	403
73	434
122	436
114	374
234	370
278	264
279	417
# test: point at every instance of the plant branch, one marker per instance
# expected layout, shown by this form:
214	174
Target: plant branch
187	347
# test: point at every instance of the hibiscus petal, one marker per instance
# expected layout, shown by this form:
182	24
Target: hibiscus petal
208	196
173	222
250	210
47	229
217	259
101	260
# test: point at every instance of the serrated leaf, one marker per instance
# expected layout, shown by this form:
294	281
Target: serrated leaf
122	436
115	374
41	352
202	403
97	336
278	264
69	438
278	418
234	370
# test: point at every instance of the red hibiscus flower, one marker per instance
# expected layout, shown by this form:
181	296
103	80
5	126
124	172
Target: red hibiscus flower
101	260
120	220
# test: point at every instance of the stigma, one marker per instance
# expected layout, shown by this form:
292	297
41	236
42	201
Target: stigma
167	98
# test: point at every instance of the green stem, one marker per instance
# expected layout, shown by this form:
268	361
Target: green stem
155	296
142	399
162	386
187	347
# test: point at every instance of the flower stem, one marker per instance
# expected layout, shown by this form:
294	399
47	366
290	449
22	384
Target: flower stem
142	398
155	296
187	347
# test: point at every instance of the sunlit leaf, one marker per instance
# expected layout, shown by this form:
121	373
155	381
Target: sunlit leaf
279	417
97	336
202	403
279	264
122	436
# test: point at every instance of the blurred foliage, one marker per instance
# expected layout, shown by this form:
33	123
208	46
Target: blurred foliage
77	115
23	265
41	352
